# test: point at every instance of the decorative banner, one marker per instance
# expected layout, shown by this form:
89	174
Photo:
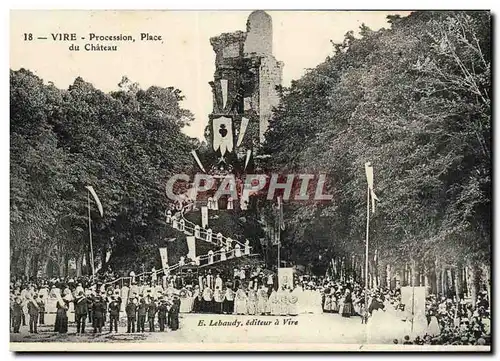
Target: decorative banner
223	134
223	85
369	180
191	243
164	257
96	198
195	155
108	255
243	129
285	277
204	216
245	198
247	103
249	153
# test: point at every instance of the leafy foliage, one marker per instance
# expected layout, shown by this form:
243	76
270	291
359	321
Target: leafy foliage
415	101
125	144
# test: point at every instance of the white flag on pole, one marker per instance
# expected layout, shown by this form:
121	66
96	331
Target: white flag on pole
243	129
223	85
96	198
247	158
369	180
164	257
222	134
193	152
191	243
204	216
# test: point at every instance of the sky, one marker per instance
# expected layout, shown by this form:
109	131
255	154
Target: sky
183	59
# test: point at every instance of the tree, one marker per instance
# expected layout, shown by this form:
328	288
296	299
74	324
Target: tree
413	100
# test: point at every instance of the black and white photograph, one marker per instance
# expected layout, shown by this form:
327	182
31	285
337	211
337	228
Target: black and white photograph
250	180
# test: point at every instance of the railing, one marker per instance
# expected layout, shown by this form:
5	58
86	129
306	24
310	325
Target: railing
201	233
204	260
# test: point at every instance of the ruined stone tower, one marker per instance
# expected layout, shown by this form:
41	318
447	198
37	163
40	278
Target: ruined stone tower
244	86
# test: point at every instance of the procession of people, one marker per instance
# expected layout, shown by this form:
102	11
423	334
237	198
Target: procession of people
154	304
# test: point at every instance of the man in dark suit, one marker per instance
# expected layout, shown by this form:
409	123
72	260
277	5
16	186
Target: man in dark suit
98	309
151	315
81	311
131	310
114	314
33	313
41	310
17	310
141	315
162	314
173	313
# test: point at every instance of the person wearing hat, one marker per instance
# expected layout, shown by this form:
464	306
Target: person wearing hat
141	314
41	309
162	313
98	310
197	300
152	309
173	313
218	300
114	313
131	310
33	313
81	311
17	310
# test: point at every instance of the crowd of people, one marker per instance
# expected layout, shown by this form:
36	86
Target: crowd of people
157	302
97	303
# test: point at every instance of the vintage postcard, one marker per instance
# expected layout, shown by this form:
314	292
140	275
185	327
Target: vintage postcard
250	180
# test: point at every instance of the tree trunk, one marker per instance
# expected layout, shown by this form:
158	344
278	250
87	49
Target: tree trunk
79	263
415	277
486	272
14	261
449	281
467	278
458	281
87	262
437	275
473	282
388	275
27	265
35	264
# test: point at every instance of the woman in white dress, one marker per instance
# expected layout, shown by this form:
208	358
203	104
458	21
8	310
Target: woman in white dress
262	300
293	302
433	329
327	306
207	305
273	303
240	302
219	296
251	301
306	300
185	298
317	302
283	301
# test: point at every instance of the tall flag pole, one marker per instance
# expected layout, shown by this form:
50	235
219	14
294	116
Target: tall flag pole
281	226
370	194
90	237
90	190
